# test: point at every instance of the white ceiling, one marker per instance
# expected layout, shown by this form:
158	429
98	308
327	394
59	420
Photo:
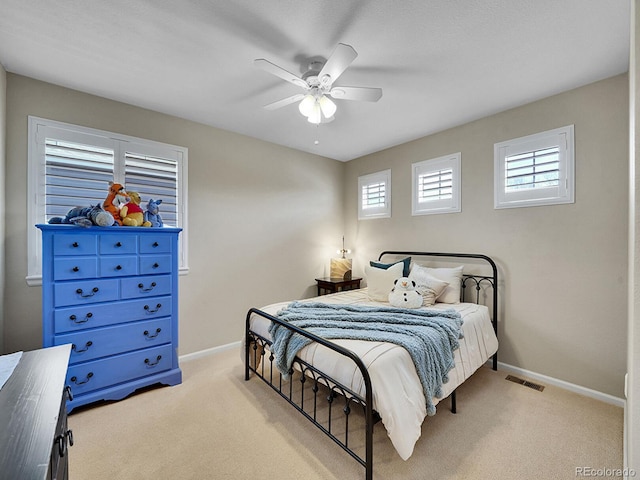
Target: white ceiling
440	63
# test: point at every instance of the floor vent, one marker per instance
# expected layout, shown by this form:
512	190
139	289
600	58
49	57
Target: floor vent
526	383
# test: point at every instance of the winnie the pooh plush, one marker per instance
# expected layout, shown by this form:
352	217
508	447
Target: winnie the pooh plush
404	294
131	213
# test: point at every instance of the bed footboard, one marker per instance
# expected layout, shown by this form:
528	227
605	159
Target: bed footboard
315	384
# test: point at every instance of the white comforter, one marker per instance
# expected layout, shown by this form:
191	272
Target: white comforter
397	393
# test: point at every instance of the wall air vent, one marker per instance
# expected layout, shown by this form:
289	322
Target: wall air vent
526	383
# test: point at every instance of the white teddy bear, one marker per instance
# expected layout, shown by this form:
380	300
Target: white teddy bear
404	294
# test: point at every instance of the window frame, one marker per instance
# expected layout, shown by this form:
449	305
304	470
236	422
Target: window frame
564	193
446	205
39	129
364	181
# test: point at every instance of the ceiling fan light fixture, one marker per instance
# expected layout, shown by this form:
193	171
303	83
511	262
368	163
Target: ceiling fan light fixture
327	106
306	105
316	114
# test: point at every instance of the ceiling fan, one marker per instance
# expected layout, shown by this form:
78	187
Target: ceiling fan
318	84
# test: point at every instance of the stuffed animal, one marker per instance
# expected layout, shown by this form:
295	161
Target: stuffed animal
151	215
85	217
404	294
116	198
131	213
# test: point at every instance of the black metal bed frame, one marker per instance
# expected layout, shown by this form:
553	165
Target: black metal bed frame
256	347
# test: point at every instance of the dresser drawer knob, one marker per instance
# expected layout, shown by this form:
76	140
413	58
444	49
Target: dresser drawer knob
155	244
74	379
75	244
75	269
151	287
146	333
86	318
147	308
156	265
148	362
119	244
93	291
118	267
86	347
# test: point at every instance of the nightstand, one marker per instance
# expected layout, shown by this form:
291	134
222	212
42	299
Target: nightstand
332	285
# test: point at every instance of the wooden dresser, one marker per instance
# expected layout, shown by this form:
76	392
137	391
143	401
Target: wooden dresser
34	437
112	293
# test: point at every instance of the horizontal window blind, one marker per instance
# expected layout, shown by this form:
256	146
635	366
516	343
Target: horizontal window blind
157	178
536	169
374	195
437	185
76	175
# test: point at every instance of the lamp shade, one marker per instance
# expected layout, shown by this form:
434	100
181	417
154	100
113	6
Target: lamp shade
316	114
306	105
340	268
327	106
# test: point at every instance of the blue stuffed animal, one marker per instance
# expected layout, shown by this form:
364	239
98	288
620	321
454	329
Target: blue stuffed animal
152	215
85	217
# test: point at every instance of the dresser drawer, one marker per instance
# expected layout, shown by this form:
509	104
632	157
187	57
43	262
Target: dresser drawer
82	317
118	266
75	244
76	268
155	264
155	244
85	291
145	286
102	342
114	244
89	376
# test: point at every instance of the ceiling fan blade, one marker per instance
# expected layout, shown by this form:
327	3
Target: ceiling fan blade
274	69
365	94
338	62
285	101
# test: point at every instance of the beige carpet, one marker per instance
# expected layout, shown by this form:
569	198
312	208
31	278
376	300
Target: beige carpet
217	426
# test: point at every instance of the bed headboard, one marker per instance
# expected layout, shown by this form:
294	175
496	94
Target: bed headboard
480	283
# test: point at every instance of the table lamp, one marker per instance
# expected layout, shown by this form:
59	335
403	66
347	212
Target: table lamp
341	267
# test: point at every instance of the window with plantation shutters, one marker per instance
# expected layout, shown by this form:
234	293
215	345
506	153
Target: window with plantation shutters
436	185
70	166
375	195
535	170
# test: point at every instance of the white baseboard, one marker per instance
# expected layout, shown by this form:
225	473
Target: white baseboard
587	392
209	351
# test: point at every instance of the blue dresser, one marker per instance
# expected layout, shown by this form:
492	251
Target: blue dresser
112	293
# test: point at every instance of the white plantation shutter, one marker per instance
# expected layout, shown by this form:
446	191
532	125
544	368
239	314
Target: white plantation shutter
72	166
535	170
76	175
154	177
436	185
375	195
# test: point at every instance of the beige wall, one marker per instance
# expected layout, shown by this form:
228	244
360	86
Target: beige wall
263	219
3	130
563	267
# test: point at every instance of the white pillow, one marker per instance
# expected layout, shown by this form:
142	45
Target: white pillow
429	286
453	276
380	281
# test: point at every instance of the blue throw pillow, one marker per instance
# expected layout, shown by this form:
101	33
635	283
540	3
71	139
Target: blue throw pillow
405	269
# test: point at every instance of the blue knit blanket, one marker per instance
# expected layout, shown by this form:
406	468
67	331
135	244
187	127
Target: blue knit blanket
429	336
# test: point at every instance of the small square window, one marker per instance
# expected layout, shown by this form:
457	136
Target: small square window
374	192
436	186
535	170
